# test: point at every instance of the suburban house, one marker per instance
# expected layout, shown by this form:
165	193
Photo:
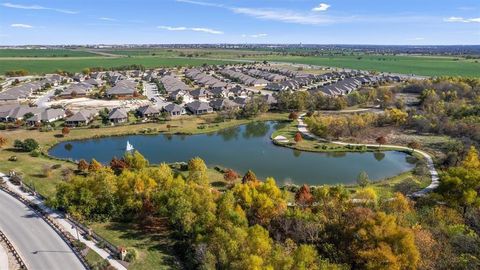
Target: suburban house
81	118
12	113
182	95
199	107
47	116
148	111
223	104
76	90
174	110
122	90
200	94
118	115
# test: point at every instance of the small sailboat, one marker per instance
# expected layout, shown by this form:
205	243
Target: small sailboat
129	147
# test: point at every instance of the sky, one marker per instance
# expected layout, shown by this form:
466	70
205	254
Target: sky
400	22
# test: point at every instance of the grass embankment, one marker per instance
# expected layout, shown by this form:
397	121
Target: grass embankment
406	182
31	168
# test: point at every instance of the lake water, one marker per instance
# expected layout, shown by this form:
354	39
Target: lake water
243	148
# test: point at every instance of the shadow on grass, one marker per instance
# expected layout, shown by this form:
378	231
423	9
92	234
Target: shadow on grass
153	238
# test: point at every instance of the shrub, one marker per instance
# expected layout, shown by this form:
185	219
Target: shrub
132	255
35	153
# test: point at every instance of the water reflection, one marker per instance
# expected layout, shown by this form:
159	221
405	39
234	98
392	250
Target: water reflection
379	156
256	129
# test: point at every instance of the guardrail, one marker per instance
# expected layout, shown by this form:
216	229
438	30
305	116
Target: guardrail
11	248
66	237
111	248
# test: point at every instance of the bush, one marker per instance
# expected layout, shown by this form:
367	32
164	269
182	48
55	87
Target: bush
101	244
79	245
35	153
132	255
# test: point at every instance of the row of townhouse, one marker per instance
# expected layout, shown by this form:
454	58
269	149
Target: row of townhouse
12	113
172	84
272	77
21	92
203	79
243	78
348	85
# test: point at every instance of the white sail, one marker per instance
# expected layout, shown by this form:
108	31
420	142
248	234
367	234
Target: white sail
129	147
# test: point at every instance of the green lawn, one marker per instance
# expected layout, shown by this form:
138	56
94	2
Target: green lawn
43	53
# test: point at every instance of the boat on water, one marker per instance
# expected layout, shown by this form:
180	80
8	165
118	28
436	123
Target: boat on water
129	147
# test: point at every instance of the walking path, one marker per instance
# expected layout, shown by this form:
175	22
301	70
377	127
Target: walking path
67	226
303	128
3	258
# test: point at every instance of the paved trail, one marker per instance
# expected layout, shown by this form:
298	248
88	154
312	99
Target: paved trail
303	128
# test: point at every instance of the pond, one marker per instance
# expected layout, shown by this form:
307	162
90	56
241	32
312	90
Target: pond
242	148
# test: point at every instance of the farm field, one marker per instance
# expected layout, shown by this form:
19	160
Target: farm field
43	53
38	61
41	66
419	65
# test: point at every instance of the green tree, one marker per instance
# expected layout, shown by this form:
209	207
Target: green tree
197	171
362	179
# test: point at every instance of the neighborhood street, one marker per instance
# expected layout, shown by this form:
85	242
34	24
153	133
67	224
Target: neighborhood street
36	242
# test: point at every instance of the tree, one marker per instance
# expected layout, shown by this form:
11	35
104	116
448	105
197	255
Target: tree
230	175
414	145
249	177
293	116
197	171
3	141
471	160
82	165
304	197
118	165
381	140
362	179
298	137
86	71
65	131
94	166
135	160
27	145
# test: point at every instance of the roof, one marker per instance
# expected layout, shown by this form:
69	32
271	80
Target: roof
172	107
198	105
118	113
148	109
82	116
48	115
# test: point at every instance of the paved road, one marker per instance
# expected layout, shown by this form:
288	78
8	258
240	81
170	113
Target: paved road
37	243
302	128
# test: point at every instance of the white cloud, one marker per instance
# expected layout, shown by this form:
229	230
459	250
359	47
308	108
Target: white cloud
321	7
255	35
107	19
37	7
21	25
195	29
462	20
283	16
200	3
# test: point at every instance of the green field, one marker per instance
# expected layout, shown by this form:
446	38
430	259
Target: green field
41	66
43	53
419	65
44	61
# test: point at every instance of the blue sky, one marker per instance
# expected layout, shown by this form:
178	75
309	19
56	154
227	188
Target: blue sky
414	22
